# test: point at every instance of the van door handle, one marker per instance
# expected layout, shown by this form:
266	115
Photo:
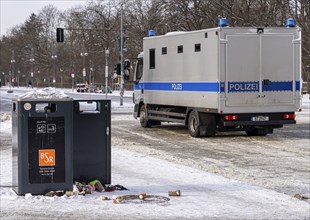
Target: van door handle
266	82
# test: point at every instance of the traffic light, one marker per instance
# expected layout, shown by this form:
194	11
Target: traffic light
124	43
60	34
127	66
117	69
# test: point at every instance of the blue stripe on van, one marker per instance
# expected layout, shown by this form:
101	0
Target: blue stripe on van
297	85
278	86
216	86
180	86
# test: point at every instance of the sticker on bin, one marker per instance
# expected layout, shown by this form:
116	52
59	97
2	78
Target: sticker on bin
47	157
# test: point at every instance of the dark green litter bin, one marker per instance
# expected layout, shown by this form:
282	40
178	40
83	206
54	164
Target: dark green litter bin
92	140
42	145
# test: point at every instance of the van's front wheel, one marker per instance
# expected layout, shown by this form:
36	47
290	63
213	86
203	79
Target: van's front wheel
143	119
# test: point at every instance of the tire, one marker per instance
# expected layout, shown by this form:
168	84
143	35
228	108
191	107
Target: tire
193	124
256	132
143	121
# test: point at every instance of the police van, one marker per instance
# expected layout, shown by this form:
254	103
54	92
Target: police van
220	79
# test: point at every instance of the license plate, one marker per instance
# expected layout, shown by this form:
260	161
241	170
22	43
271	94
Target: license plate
260	118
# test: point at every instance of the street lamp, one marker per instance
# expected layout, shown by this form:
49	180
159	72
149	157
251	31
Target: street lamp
54	57
107	52
61	78
122	57
38	76
84	54
18	75
91	76
12	70
4	79
32	61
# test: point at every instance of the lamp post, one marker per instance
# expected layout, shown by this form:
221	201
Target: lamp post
18	75
122	58
12	72
72	76
31	74
90	73
61	80
54	57
84	54
107	52
1	80
38	76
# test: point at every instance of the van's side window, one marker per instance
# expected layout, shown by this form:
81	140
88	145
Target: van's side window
180	49
164	50
197	47
152	58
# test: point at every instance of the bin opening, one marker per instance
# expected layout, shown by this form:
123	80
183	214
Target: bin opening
45	107
89	107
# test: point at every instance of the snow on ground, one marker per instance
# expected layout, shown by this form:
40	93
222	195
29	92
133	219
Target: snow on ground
204	195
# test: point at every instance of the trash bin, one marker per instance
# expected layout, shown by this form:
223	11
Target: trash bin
42	145
92	140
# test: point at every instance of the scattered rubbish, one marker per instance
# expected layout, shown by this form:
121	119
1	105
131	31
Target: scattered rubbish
88	189
120	187
60	193
301	197
174	193
97	185
142	196
82	188
51	194
71	193
136	199
109	187
79	186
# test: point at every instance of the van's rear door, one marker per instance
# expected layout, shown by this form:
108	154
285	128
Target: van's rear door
277	74
260	69
242	70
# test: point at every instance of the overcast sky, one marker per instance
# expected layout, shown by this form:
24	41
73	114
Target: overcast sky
15	12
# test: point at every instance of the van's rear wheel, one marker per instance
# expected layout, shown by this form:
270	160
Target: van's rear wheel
193	124
201	124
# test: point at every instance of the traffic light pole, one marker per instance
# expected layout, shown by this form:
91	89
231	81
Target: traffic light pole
122	59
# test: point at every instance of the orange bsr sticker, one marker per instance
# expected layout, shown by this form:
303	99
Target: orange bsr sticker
47	157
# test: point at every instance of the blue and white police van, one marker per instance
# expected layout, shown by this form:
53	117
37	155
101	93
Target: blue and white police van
220	79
